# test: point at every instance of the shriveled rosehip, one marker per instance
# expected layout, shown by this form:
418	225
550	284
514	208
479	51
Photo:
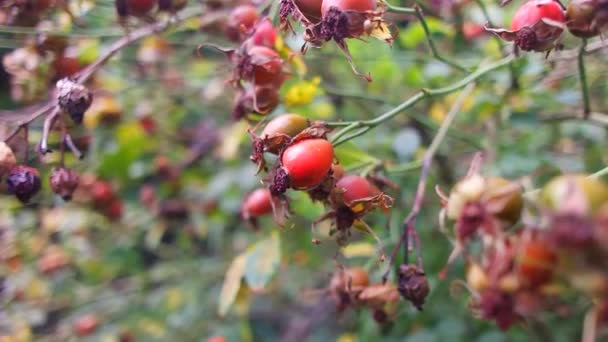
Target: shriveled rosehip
73	98
86	325
310	8
574	193
348	5
64	182
307	162
23	182
353	188
241	20
256	204
355	277
536	262
267	66
265	34
288	124
258	100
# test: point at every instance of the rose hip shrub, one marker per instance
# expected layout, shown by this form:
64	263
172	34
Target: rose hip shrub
248	165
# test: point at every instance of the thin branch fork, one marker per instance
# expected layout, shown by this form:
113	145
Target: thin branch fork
408	228
51	107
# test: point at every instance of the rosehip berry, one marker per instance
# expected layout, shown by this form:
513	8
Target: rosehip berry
66	66
140	8
241	20
310	8
102	193
537	261
23	182
86	325
353	188
265	34
307	162
171	5
256	204
114	209
348	5
530	35
267	66
7	159
64	182
288	124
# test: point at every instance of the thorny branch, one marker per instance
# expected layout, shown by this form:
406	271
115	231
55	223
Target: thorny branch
25	116
408	229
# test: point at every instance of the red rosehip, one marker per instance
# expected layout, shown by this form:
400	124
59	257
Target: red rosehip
307	162
348	5
114	210
102	193
86	325
140	8
534	11
240	21
537	261
23	182
65	66
353	188
257	203
265	34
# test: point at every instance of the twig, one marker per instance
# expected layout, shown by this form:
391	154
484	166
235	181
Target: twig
583	78
353	129
70	143
43	147
410	220
417	11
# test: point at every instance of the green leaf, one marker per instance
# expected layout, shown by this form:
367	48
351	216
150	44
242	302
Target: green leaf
262	261
351	156
232	284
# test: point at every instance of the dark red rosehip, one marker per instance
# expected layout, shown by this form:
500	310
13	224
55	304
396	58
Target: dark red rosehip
66	66
114	209
499	307
140	8
23	182
256	204
240	21
102	193
267	66
348	5
413	285
308	162
64	182
536	262
171	5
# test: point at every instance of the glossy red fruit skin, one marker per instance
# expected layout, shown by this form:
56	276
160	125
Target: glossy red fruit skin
242	18
348	5
270	71
355	188
534	11
307	162
310	8
265	34
257	203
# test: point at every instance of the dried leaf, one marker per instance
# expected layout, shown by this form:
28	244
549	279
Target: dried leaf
359	249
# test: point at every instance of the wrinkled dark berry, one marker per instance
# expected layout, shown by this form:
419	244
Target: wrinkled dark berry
498	306
23	182
73	98
413	285
280	182
63	182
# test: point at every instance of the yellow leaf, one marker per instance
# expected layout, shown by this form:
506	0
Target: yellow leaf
302	93
359	249
233	136
232	284
262	262
347	338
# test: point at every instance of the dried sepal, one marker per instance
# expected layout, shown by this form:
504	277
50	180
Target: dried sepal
539	37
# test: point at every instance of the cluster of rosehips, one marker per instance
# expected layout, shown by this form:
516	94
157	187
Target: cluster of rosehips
538	24
304	160
101	195
258	69
335	20
533	253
